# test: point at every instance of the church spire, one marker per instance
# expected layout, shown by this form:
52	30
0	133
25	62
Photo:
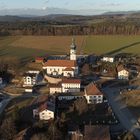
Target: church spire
73	45
73	50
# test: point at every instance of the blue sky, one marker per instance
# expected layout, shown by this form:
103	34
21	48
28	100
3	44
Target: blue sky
101	5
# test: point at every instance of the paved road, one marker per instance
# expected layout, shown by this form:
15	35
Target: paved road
3	104
121	111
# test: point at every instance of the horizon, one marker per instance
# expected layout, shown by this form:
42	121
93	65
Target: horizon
86	7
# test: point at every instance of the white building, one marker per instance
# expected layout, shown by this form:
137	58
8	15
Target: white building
93	94
45	111
67	68
108	59
123	73
66	86
63	67
30	78
55	88
46	115
73	50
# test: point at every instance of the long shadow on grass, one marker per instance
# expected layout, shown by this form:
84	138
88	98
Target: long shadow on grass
122	48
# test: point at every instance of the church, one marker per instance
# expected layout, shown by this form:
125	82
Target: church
66	68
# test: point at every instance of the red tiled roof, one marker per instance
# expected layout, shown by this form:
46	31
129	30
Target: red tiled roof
61	63
42	107
92	89
120	68
76	81
55	85
68	69
39	58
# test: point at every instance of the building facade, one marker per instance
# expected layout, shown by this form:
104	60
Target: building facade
93	95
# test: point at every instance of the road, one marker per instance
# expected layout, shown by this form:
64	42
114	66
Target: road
3	104
121	111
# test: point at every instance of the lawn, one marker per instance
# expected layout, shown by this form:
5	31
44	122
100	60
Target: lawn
25	47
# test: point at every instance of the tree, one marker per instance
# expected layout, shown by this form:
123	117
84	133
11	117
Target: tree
8	129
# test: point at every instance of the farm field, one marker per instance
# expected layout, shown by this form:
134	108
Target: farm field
32	46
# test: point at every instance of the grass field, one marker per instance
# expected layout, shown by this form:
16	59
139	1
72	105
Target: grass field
32	46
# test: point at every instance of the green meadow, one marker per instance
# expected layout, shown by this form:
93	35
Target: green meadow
24	47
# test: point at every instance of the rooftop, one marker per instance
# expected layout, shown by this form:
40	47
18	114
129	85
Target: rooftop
92	89
75	81
61	63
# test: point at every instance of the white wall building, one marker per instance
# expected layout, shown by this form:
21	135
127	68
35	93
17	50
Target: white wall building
67	68
108	59
66	86
71	85
63	67
93	94
45	111
123	74
46	115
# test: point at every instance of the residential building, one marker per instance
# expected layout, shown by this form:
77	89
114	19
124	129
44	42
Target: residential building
39	60
123	73
30	78
108	59
93	94
66	86
46	113
46	109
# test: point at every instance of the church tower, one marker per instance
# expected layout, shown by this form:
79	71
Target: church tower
73	50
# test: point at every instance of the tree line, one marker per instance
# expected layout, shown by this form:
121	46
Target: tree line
43	28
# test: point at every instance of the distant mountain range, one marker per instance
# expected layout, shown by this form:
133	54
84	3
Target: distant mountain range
57	15
48	11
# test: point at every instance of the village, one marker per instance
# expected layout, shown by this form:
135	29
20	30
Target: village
77	93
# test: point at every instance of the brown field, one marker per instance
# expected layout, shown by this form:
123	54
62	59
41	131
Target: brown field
28	47
58	44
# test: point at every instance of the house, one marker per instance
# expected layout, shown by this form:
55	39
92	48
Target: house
95	132
63	67
39	60
30	78
46	112
123	73
108	59
45	108
66	86
93	94
67	68
55	88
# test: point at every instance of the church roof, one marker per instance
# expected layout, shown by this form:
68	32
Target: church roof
61	63
68	69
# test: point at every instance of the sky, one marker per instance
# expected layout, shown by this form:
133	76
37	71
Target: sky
99	5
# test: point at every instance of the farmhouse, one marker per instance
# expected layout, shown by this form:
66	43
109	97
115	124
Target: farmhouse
30	78
46	110
66	86
93	94
123	73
